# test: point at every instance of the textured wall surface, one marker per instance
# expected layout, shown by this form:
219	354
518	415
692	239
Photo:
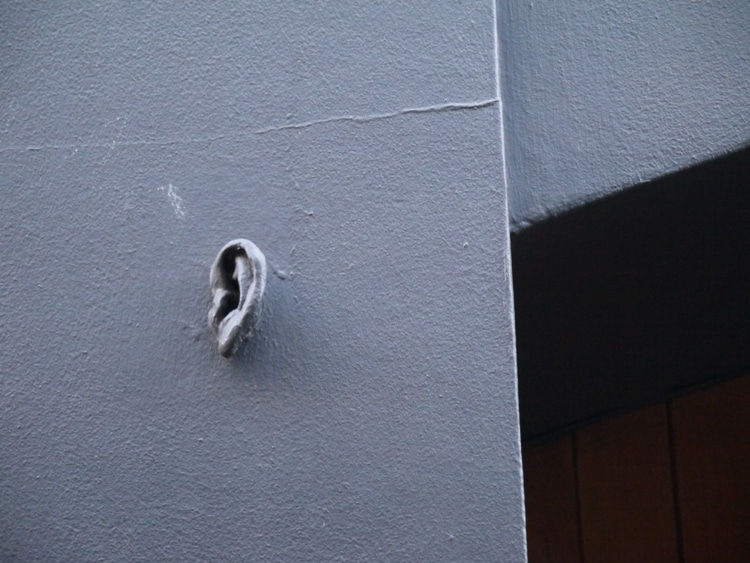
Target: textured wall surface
375	417
602	97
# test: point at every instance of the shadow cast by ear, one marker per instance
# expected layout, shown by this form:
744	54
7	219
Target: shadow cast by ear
251	356
268	358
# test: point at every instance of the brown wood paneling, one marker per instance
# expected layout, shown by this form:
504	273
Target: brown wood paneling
551	503
627	500
712	452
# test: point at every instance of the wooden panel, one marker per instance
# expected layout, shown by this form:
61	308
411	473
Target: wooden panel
712	452
551	504
627	500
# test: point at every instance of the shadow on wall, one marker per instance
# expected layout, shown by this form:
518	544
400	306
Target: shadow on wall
634	298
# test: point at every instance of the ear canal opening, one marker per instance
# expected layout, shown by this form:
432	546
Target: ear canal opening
228	302
230	290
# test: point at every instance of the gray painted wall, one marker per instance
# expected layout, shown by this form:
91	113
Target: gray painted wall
375	418
602	96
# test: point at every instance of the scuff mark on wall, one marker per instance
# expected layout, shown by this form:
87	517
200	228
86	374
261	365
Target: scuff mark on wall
174	199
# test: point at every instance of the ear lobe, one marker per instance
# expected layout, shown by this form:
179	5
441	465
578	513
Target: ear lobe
238	280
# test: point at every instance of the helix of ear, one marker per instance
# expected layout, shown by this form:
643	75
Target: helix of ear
238	280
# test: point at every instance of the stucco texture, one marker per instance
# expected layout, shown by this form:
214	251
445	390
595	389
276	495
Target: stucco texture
375	415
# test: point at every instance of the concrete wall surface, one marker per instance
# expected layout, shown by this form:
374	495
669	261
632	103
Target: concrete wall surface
375	416
606	95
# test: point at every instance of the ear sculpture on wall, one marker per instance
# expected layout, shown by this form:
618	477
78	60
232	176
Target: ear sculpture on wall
238	280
